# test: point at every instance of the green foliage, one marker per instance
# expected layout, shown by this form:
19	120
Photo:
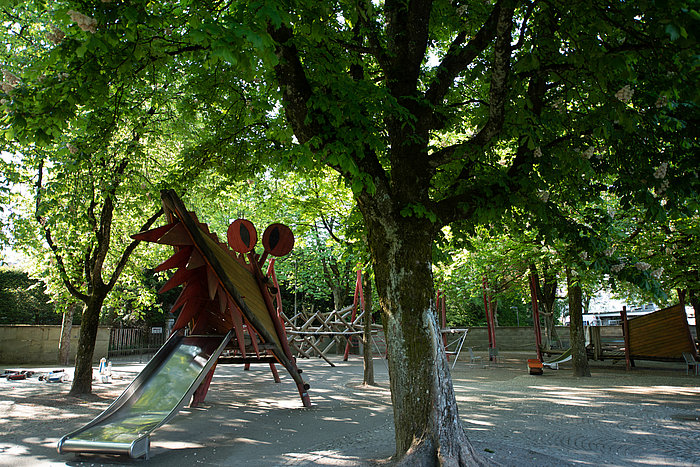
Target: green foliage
319	210
24	300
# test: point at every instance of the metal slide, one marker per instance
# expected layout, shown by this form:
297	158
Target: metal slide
163	387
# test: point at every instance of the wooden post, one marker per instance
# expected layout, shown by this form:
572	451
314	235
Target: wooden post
358	293
626	337
488	319
596	341
201	392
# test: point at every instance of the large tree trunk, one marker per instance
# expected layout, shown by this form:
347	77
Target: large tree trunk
82	380
427	426
577	335
66	328
368	377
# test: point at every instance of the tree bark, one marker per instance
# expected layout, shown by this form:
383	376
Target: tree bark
66	328
426	419
394	197
578	339
546	297
368	377
82	380
694	298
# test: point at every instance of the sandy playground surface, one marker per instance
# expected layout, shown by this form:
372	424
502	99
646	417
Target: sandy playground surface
649	416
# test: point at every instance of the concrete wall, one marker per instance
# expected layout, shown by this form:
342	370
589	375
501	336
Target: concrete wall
23	344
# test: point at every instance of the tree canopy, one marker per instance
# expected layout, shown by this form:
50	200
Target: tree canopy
433	112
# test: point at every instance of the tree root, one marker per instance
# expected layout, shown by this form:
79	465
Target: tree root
452	453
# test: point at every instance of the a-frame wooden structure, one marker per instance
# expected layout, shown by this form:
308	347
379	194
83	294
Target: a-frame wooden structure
225	288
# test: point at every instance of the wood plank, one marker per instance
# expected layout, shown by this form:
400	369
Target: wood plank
662	334
153	235
240	360
176	236
181	276
178	260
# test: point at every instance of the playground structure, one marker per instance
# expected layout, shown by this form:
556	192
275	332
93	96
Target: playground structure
228	307
663	335
315	334
452	338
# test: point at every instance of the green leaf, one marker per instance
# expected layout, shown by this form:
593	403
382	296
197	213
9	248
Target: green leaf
672	31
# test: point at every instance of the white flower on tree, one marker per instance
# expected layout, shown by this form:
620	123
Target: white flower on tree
642	266
617	267
56	35
9	81
661	171
84	22
625	94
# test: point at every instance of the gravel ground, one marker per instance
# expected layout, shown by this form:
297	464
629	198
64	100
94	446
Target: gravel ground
648	416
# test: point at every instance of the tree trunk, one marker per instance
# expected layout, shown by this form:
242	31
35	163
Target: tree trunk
548	319
339	295
494	310
694	298
367	346
66	328
427	426
546	297
578	338
82	380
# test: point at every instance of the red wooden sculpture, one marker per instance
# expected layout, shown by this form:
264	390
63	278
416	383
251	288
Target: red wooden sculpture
225	288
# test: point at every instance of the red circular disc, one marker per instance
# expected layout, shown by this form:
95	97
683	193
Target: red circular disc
278	240
242	236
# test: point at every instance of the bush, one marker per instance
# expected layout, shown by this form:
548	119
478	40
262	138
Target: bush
23	300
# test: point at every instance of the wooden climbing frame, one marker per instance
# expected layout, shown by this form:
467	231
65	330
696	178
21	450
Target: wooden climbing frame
315	334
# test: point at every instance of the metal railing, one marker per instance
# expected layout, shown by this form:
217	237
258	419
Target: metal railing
132	342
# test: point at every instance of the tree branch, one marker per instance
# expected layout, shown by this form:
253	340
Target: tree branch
296	90
130	249
49	239
458	57
407	33
501	19
500	73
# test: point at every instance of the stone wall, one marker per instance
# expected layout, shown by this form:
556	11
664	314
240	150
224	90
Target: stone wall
24	344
